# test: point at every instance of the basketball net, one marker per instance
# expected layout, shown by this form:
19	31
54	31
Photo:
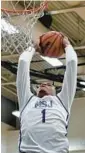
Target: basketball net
17	25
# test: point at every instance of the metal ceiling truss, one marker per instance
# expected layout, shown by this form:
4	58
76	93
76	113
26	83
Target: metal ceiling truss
53	77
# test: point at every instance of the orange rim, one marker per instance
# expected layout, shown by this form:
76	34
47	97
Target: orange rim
35	10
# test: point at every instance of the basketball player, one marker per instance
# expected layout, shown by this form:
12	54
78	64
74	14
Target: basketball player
44	118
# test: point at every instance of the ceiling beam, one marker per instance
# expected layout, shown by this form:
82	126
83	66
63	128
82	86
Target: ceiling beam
3	78
16	56
10	91
79	47
14	83
8	83
9	57
12	57
66	10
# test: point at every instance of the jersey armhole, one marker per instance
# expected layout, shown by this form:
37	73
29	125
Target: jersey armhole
26	105
63	106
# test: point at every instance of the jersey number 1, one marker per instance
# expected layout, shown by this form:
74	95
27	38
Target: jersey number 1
43	115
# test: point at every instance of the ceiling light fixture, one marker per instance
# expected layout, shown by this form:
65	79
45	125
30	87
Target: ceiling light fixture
82	82
10	29
16	113
83	89
52	61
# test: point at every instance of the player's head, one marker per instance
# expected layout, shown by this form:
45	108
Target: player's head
46	88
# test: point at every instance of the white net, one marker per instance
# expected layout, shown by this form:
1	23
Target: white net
17	24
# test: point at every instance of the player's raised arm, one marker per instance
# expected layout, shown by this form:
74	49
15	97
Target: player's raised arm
70	78
23	77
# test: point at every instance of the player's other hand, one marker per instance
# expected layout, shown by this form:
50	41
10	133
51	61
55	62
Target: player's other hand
37	47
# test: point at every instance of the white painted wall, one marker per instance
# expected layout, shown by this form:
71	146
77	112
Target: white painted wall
4	136
12	142
77	119
9	141
3	141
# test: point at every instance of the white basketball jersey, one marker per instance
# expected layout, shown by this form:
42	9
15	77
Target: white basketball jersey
44	122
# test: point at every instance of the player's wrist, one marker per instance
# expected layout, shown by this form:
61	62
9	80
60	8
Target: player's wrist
36	46
66	43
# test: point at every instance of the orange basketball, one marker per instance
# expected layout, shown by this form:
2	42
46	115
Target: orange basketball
51	44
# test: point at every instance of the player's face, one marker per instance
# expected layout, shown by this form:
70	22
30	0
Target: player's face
45	88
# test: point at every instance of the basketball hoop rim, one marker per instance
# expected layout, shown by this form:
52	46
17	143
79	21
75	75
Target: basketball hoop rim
35	10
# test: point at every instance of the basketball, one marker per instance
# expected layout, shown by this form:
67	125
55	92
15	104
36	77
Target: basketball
51	44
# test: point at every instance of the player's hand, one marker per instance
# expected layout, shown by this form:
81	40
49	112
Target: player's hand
37	47
66	42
